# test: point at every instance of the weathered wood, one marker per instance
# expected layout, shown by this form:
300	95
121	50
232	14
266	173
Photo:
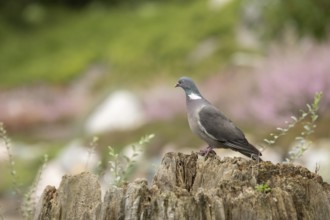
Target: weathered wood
188	187
78	197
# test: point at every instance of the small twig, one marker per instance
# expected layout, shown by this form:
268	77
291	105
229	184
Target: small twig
93	144
308	128
317	168
7	144
29	203
121	165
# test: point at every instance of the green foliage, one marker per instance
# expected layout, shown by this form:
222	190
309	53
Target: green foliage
308	128
29	201
16	11
307	120
7	143
135	42
263	188
121	165
306	17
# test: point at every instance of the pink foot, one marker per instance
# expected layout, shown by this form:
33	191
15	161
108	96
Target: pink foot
205	152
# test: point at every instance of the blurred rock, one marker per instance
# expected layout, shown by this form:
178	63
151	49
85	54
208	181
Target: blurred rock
121	110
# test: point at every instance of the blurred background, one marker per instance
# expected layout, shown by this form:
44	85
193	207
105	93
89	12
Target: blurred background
74	70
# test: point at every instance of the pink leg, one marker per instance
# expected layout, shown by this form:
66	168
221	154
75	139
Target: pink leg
206	151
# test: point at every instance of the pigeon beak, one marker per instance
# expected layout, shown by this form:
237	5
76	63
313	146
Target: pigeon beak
177	85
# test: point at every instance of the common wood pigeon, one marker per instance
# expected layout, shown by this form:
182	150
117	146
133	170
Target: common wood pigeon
211	125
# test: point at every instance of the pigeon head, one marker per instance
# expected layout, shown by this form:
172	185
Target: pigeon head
188	85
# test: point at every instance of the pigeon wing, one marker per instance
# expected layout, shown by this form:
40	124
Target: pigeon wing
218	127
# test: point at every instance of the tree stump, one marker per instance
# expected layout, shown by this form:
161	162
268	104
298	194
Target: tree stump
188	187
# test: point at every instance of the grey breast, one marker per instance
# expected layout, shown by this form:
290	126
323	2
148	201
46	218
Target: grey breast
193	108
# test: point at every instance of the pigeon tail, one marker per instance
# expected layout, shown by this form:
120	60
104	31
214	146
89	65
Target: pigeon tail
255	154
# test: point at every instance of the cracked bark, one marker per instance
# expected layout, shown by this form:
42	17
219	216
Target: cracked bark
188	187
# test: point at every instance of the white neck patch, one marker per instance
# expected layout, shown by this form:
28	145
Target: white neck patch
193	96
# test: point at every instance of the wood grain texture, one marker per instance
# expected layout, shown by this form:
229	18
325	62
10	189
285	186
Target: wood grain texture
188	187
